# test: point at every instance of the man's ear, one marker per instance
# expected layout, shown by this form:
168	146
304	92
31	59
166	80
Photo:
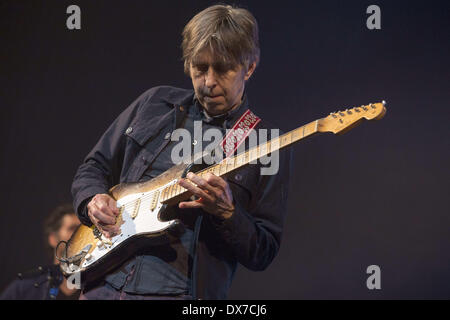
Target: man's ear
52	240
250	71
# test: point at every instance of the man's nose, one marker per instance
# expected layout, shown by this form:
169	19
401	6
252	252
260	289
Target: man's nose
210	78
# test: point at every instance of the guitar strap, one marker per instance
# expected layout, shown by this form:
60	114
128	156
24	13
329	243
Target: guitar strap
239	132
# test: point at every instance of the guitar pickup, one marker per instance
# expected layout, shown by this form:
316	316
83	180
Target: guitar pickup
154	200
136	209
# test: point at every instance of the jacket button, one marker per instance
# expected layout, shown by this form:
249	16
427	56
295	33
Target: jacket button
238	177
129	130
167	136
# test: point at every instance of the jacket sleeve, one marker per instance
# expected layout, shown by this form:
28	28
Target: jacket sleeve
254	235
102	167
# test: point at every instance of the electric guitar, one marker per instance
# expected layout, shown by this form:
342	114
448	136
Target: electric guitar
144	208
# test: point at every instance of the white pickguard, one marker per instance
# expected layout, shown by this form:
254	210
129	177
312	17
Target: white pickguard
146	221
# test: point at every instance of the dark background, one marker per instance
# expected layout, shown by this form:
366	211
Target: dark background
376	195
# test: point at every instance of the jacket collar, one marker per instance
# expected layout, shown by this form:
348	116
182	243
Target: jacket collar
186	97
226	120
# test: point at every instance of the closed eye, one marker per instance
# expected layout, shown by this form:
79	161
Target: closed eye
202	68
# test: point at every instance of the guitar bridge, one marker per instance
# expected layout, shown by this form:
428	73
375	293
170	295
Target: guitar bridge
72	264
97	233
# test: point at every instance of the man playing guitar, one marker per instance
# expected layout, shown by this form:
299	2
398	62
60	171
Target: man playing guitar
232	220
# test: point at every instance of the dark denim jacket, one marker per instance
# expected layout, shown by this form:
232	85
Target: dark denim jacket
250	237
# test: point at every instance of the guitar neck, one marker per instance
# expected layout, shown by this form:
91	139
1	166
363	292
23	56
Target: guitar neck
175	193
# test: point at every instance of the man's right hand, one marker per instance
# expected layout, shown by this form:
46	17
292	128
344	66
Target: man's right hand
103	211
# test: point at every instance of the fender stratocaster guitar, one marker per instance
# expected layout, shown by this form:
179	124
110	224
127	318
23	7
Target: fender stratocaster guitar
145	218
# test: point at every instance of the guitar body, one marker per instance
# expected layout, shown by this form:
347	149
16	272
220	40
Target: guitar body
144	221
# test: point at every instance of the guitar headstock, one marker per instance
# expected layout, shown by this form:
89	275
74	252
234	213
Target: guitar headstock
341	121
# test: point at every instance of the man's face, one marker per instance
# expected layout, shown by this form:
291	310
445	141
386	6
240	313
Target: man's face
68	225
218	86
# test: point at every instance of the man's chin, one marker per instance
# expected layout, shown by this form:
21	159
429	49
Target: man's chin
214	109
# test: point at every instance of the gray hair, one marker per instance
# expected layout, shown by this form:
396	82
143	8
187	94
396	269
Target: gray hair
230	33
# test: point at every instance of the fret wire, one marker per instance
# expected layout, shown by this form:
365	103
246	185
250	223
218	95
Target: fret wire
227	164
275	144
223	168
169	191
263	150
239	160
298	133
251	154
295	134
169	194
166	193
230	163
175	190
163	194
180	189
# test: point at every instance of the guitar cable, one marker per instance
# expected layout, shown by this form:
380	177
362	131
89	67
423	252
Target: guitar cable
62	260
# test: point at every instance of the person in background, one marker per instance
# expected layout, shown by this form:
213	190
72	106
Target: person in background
47	283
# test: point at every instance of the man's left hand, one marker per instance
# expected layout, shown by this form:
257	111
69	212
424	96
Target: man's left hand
214	194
